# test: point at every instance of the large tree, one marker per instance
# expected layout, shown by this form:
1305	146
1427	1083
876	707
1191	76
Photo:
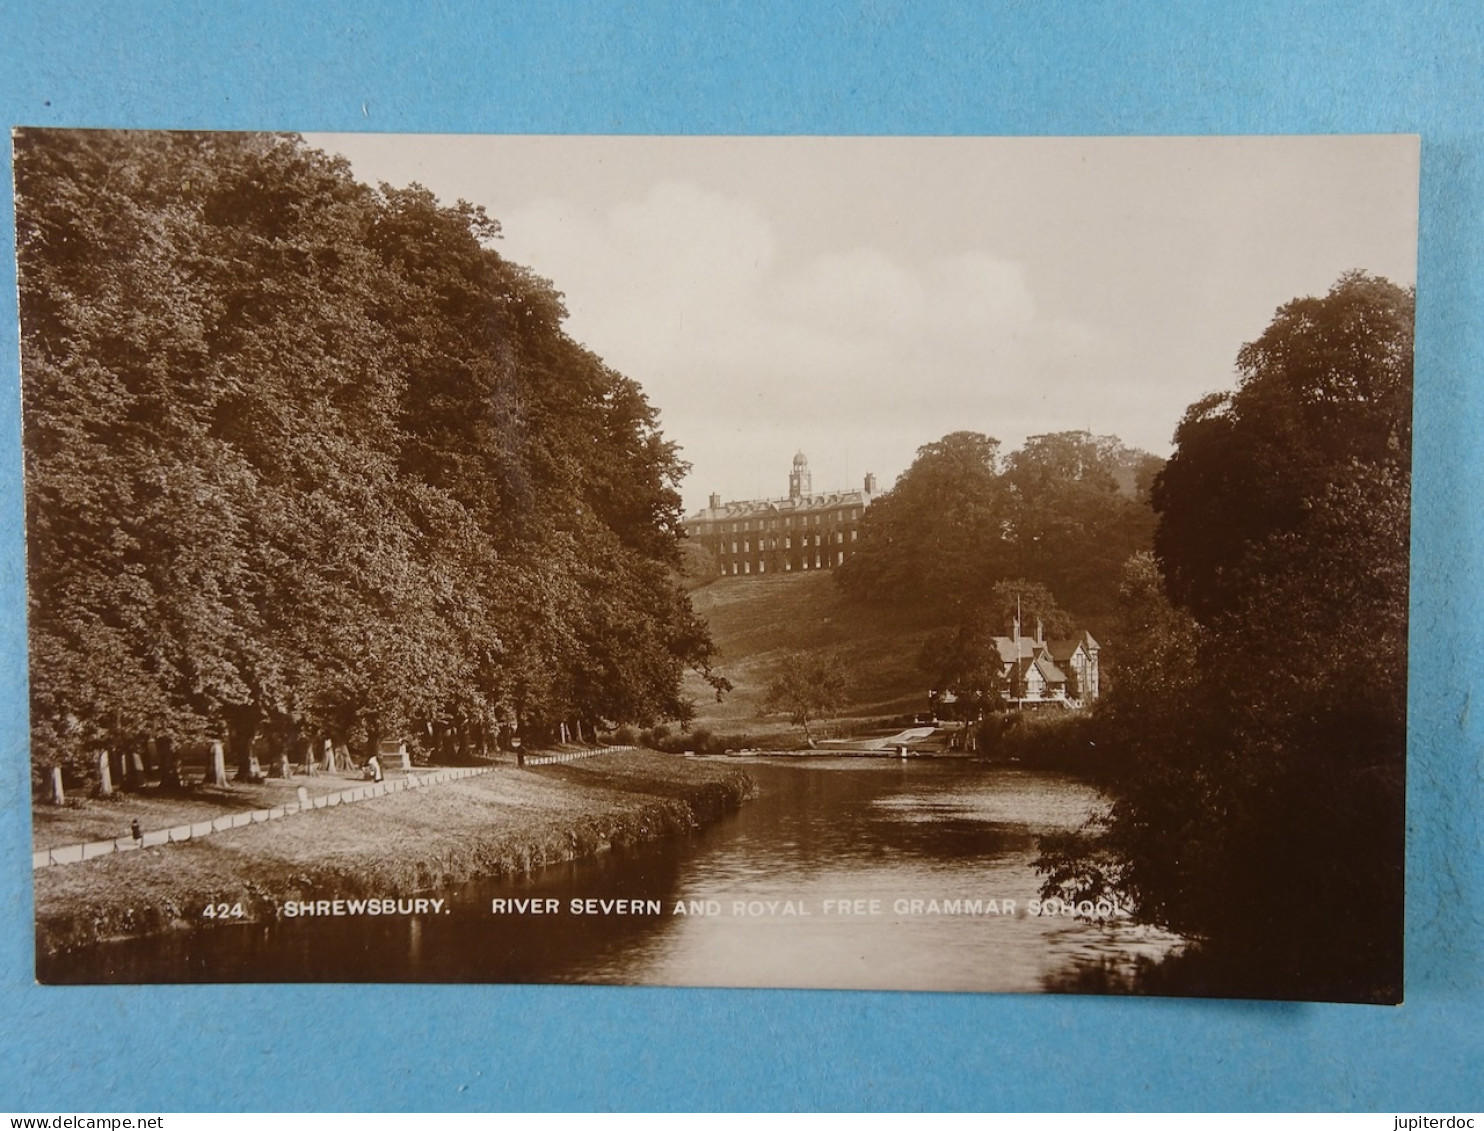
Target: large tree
1256	736
1328	385
1077	512
938	535
1063	511
808	687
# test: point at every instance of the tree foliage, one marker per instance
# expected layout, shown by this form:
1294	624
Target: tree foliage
1063	511
1257	734
965	661
308	459
808	687
1327	386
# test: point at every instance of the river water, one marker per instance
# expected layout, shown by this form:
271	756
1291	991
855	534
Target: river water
842	873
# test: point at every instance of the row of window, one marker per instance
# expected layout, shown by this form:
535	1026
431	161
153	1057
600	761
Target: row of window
788	542
788	565
787	522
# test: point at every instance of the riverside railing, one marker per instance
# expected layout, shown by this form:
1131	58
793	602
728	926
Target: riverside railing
417	779
569	756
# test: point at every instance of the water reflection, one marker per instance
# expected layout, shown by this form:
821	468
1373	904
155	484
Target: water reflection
843	873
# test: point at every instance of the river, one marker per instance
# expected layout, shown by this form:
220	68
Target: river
863	873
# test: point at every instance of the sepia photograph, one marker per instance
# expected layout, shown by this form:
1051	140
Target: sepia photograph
893	563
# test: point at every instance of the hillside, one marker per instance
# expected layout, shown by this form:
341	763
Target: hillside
755	620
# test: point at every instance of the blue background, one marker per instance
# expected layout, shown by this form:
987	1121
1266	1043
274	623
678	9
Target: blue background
816	68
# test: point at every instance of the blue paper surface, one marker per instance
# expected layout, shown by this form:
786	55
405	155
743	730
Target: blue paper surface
818	68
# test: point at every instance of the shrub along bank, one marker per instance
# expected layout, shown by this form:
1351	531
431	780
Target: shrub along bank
1043	740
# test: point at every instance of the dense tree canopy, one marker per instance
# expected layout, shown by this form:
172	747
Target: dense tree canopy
308	459
1064	511
1326	388
1257	736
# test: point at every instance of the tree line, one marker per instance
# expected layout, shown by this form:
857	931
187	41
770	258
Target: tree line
310	459
968	536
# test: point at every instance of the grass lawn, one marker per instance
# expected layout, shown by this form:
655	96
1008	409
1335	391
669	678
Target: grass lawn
106	818
416	841
756	620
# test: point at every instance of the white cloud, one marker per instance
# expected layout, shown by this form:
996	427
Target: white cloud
750	351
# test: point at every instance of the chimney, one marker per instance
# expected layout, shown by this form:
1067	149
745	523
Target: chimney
715	501
1039	639
870	483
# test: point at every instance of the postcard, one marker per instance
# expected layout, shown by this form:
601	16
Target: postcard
948	564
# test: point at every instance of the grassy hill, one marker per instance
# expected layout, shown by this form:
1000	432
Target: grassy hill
756	620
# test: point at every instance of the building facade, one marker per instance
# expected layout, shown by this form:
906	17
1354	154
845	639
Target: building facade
1038	670
1034	672
802	532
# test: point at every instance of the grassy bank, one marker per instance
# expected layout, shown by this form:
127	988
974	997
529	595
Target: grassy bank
756	621
509	820
104	818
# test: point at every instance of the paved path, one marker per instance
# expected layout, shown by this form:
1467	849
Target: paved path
415	779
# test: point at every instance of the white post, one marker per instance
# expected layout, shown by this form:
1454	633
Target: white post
216	774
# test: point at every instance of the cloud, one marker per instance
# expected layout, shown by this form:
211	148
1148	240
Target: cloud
746	345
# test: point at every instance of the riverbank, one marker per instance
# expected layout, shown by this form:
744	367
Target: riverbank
415	842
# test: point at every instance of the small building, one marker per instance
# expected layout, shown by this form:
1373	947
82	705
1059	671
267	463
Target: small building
1039	671
804	531
1034	672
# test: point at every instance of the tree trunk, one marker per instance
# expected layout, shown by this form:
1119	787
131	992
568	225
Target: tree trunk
373	740
169	767
135	776
242	729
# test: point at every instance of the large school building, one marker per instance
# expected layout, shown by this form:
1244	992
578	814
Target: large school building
801	532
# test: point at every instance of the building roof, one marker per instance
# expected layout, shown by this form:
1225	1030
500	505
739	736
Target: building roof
1061	649
767	508
1049	671
1008	652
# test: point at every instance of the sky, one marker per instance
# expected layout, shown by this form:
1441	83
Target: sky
857	298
